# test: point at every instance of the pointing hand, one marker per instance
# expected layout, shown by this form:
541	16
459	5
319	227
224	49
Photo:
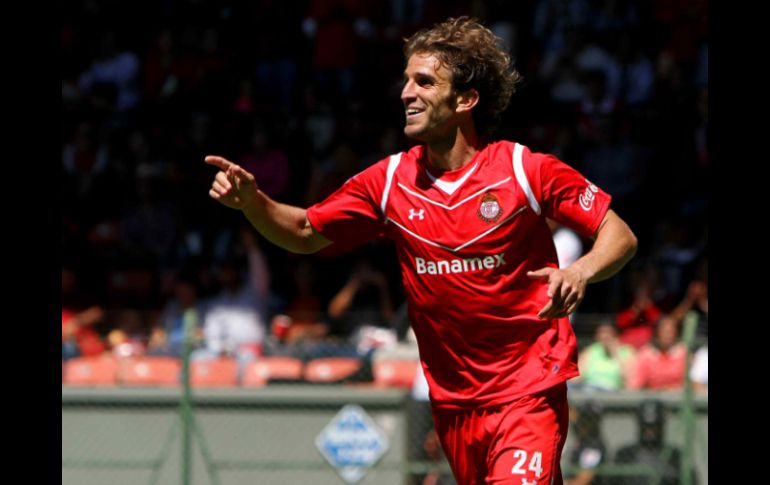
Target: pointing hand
233	186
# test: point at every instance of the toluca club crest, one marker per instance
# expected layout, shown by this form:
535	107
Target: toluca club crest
490	210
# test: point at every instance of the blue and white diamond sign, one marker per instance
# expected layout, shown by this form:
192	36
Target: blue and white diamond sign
352	443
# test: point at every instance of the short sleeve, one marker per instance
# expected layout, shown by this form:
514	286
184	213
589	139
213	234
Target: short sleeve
565	195
351	215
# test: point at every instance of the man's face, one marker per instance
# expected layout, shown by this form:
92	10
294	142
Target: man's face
605	335
667	333
429	99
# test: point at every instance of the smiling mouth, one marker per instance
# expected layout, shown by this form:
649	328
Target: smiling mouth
411	112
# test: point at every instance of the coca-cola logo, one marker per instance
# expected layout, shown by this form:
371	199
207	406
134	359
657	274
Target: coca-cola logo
586	199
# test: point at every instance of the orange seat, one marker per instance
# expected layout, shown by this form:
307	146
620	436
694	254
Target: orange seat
394	372
90	371
151	371
221	372
265	369
331	369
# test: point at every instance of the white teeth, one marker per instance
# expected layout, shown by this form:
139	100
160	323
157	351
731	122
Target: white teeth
412	111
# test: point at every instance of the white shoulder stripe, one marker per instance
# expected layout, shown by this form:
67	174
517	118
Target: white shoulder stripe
521	177
392	165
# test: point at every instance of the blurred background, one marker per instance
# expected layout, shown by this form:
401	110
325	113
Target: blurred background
304	94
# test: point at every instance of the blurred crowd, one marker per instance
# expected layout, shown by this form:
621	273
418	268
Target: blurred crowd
305	94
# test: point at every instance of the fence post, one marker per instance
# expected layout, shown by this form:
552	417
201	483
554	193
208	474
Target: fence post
190	319
688	403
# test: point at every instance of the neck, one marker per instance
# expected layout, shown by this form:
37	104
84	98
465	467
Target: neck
455	151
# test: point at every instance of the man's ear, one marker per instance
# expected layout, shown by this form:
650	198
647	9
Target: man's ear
466	100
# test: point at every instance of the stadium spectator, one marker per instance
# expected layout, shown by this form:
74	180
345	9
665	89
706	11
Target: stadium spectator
606	363
117	69
637	321
364	300
129	337
168	335
79	336
660	364
304	309
234	319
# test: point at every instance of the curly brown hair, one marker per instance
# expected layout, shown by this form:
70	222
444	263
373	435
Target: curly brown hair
474	56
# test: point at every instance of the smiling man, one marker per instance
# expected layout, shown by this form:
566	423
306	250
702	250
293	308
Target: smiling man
487	300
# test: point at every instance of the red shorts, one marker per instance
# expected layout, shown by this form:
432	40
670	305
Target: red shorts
516	443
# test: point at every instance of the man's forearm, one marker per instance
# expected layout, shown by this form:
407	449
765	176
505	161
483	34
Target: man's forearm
615	245
284	225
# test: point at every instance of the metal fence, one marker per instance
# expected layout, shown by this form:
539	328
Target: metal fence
136	436
159	420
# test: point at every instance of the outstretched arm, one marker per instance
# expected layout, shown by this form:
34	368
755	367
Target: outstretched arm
613	247
284	225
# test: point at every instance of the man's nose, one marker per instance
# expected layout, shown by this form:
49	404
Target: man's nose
407	93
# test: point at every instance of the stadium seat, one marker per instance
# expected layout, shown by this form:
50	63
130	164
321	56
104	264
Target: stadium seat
265	369
151	371
394	372
331	369
221	372
90	371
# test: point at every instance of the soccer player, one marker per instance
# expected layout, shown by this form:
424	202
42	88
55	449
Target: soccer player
486	297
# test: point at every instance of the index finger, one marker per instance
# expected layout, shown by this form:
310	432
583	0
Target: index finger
240	173
219	162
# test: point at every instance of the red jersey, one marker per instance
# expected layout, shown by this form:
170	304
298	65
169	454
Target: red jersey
465	242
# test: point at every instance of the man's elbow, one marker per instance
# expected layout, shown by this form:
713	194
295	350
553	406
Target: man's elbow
620	230
304	249
632	244
309	243
303	246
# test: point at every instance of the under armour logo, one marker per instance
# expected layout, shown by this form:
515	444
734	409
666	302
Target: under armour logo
413	213
524	481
